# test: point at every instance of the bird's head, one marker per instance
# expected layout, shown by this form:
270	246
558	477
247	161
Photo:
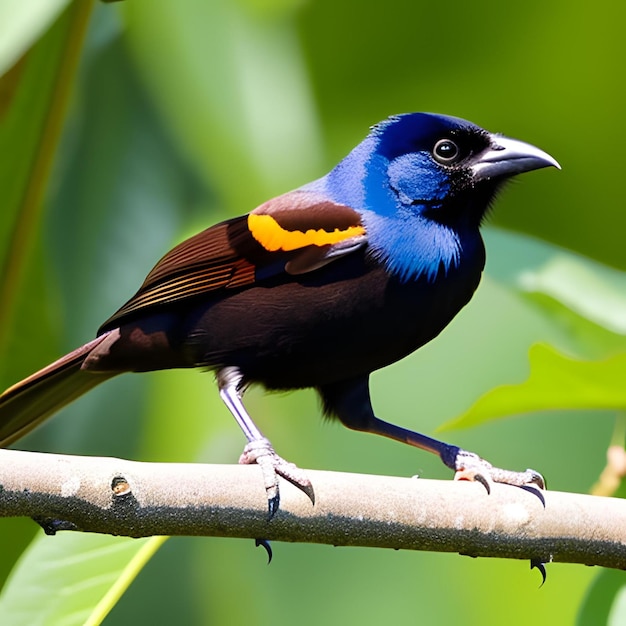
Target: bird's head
433	165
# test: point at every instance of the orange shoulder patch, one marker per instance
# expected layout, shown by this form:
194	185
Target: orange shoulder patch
273	237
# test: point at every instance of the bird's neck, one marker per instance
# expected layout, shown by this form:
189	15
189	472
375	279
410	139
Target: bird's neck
415	247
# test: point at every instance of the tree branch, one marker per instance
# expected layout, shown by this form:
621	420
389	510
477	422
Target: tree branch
119	497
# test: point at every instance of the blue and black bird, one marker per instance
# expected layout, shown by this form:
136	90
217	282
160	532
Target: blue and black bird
315	288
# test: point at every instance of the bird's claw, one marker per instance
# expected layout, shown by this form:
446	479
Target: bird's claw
260	451
540	564
265	544
470	466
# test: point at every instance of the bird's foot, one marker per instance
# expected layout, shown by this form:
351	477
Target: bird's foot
470	466
260	451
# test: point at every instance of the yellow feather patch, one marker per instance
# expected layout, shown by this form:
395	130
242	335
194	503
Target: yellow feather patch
268	232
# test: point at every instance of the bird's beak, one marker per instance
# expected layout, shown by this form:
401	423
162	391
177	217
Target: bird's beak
506	157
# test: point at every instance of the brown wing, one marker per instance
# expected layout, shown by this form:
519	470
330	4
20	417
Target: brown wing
205	262
296	232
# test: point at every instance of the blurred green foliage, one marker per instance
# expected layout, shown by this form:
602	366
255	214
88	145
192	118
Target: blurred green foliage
183	113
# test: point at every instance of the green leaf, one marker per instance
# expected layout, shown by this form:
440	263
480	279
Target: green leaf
556	381
35	96
583	298
590	289
21	23
72	578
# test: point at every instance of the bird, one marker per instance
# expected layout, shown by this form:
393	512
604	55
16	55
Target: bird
316	288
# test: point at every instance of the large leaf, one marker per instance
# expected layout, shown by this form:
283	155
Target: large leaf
583	288
589	289
72	578
556	381
21	24
35	96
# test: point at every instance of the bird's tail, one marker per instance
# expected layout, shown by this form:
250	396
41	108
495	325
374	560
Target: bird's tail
27	403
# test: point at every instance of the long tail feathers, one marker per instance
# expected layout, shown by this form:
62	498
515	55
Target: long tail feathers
27	403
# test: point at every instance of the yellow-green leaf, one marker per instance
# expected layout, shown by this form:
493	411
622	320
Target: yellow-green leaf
21	23
72	578
556	381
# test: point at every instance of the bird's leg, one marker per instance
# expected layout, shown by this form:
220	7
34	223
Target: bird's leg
258	449
466	465
350	402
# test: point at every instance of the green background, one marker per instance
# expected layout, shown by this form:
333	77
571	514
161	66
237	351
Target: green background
183	113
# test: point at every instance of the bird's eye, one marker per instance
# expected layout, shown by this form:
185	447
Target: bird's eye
446	151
